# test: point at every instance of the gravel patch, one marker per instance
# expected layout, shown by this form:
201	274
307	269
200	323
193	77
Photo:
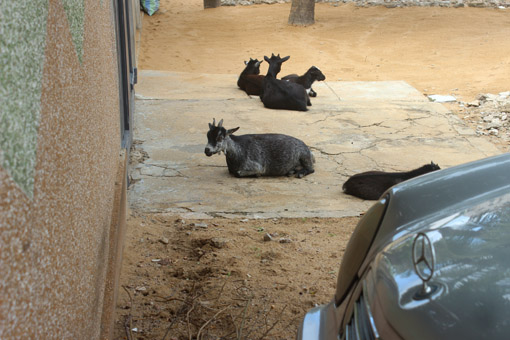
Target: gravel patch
490	112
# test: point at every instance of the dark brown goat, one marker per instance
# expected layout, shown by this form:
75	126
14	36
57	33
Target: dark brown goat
249	80
371	185
280	94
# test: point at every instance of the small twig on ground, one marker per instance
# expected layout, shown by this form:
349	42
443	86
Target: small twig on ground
129	317
187	319
211	319
236	330
221	291
127	327
174	319
185	303
274	324
171	299
169	327
240	334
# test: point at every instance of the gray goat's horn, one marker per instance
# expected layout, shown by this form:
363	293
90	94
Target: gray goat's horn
220	124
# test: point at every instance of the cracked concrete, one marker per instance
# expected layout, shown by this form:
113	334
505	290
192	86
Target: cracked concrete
351	127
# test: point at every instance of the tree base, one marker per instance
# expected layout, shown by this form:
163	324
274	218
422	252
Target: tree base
302	13
212	3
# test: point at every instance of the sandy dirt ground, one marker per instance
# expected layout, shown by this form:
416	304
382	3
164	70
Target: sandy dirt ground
462	51
254	279
226	279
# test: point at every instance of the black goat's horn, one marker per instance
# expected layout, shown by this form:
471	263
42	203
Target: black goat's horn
220	124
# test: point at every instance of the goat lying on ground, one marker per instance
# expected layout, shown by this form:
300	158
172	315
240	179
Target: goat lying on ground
249	80
307	79
281	94
371	185
260	154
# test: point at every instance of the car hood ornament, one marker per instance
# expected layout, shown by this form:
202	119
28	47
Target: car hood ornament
424	260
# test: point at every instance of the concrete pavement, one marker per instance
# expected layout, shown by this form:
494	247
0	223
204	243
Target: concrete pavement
352	127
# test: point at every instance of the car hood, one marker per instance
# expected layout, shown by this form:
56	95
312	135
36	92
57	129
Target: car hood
470	296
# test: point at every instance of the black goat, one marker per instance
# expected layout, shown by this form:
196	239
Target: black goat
280	94
250	80
307	79
371	185
260	154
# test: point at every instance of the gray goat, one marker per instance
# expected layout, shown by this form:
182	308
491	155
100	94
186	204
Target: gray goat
260	154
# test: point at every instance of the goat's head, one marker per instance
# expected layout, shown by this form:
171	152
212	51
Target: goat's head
216	137
316	73
252	66
433	166
425	169
275	64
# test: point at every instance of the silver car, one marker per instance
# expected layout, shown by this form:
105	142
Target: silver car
429	260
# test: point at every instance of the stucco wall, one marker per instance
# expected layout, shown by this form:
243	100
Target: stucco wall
59	159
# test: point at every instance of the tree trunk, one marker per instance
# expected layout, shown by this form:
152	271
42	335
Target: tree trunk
212	3
302	13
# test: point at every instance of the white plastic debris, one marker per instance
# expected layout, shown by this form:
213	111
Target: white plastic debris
439	98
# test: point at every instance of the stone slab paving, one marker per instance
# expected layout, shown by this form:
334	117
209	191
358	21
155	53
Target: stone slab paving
351	127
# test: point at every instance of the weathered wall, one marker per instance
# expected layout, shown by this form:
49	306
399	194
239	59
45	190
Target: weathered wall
59	159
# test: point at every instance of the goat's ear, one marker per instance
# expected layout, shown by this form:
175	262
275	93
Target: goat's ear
266	58
245	62
231	131
285	58
258	63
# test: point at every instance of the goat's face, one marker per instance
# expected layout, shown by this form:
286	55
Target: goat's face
216	137
317	74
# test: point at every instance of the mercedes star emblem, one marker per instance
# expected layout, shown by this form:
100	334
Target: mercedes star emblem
423	259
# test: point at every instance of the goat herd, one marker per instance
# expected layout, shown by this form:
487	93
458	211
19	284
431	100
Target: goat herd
282	155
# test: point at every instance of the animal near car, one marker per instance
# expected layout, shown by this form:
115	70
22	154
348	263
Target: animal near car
371	185
429	260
